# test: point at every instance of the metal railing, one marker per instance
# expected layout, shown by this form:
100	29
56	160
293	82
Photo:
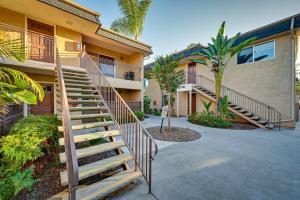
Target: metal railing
117	69
266	112
70	150
134	105
138	140
29	44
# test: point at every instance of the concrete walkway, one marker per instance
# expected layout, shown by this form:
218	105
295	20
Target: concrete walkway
224	164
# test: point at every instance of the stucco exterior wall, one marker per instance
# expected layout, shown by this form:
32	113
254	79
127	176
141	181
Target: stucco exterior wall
66	41
154	93
12	18
268	81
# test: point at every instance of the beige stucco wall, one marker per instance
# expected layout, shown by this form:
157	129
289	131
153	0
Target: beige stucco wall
65	39
154	93
12	18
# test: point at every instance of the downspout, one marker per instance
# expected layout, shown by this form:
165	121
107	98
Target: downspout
293	69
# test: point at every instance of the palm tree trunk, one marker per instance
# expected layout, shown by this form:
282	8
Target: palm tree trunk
169	108
218	88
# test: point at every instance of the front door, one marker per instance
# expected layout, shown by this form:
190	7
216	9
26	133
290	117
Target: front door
40	41
47	105
192	73
194	103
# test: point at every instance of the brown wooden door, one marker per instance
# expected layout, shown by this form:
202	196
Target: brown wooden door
47	105
194	102
41	41
192	73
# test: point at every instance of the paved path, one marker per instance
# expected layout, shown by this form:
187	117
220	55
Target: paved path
225	164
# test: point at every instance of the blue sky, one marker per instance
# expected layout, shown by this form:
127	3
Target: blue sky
172	24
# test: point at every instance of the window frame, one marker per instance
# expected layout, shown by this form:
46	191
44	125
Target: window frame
253	52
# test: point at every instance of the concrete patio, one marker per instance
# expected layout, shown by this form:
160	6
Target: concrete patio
224	164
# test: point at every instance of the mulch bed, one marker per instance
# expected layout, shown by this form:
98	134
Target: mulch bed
177	134
243	126
49	176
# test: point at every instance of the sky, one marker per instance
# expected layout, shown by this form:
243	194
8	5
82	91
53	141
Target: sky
173	24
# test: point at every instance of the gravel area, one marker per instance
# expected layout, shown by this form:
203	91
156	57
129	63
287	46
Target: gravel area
177	134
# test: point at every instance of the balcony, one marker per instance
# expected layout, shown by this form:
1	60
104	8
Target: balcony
120	74
31	45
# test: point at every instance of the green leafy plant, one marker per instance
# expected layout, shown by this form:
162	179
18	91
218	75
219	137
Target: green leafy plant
15	86
23	180
134	14
210	120
219	53
147	104
157	113
139	115
207	106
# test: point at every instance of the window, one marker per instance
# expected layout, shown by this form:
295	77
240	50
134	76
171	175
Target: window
107	65
146	82
265	51
245	56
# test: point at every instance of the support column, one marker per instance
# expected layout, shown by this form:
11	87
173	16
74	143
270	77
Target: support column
25	109
190	102
177	103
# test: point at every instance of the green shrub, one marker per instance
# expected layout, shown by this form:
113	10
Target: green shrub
157	113
210	120
147	104
139	115
28	139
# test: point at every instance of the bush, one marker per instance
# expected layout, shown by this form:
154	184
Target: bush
157	113
139	115
147	104
28	139
210	120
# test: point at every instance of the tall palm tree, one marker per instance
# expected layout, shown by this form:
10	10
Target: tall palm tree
219	53
15	86
134	13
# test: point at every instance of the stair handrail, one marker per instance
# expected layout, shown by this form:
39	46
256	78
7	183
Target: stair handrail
125	120
70	150
268	112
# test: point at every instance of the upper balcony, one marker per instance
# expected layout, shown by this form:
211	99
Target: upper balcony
120	74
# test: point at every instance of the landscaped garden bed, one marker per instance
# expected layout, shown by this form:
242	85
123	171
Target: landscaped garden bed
176	135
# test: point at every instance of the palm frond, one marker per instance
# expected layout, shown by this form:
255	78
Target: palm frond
121	25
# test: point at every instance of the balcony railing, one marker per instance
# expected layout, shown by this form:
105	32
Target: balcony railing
117	69
134	106
29	44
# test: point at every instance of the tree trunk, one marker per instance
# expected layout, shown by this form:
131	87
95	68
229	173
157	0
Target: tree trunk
218	89
169	108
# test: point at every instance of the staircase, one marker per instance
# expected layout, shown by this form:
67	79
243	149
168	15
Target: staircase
105	145
255	112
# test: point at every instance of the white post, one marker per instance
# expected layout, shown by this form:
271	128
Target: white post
190	103
177	103
25	109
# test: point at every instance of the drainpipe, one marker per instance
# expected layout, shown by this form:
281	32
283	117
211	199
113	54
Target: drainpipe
293	69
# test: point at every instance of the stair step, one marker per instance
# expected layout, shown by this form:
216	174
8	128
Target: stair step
236	107
97	167
262	121
256	118
87	116
88	125
103	187
83	74
76	77
73	95
81	108
78	101
78	81
243	111
78	85
74	70
91	136
92	150
248	114
79	90
270	126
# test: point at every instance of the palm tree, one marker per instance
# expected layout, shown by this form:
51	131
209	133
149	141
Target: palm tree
15	86
219	53
168	77
134	13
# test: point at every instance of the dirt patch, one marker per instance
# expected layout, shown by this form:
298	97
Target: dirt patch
242	126
177	134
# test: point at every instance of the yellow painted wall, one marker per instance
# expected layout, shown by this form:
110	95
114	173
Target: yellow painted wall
12	18
154	93
65	39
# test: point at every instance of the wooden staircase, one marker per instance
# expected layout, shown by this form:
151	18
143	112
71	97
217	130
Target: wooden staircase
99	156
89	106
253	111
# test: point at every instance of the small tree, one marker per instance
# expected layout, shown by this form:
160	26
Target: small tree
219	53
169	78
147	104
